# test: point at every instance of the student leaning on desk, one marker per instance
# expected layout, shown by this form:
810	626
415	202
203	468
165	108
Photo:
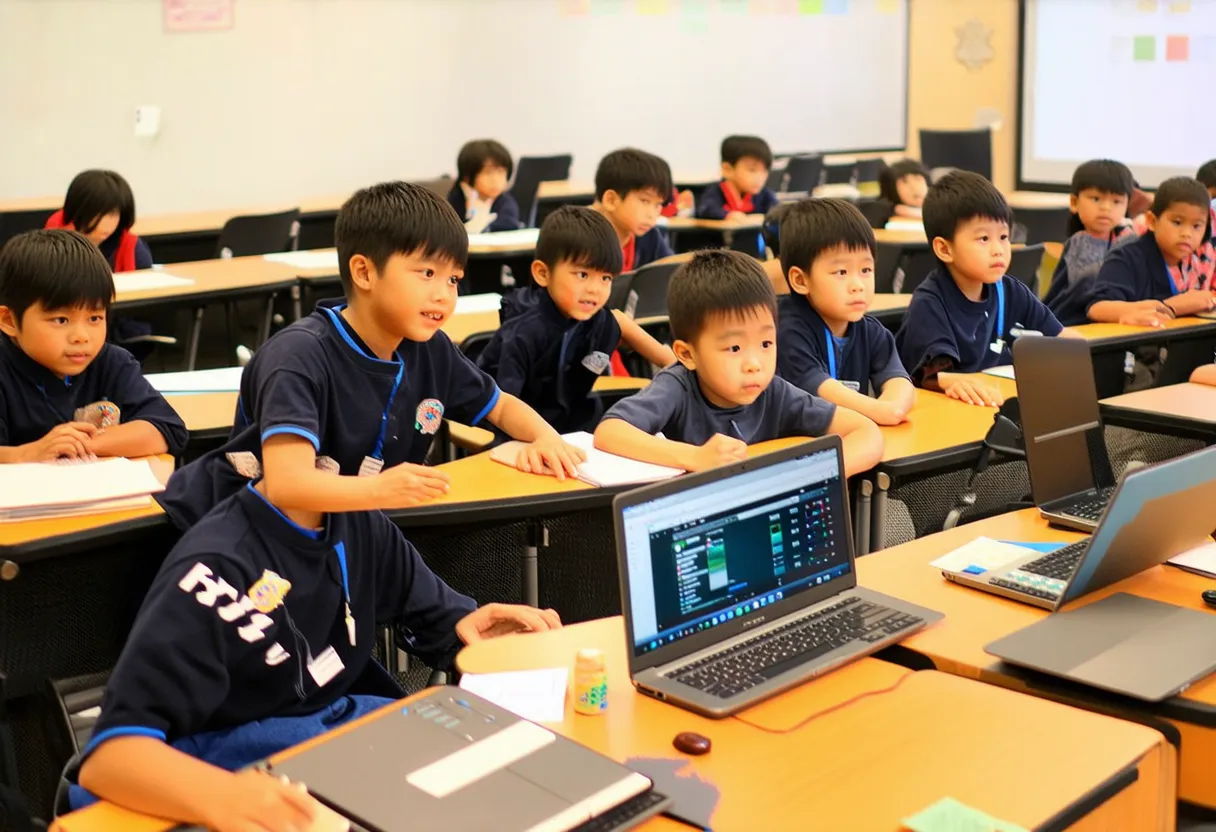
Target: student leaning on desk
64	391
746	161
362	386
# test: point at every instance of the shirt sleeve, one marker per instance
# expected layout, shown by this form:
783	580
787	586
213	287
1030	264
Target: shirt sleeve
1030	311
173	673
711	205
514	361
654	408
662	247
884	358
507	210
764	201
143	254
926	334
801	413
285	394
424	609
1116	280
799	361
471	393
138	400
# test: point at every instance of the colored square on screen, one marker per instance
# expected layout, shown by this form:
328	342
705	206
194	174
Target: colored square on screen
1121	50
1144	48
575	8
1147	6
606	7
835	6
1180	6
733	6
888	6
652	7
810	6
1177	48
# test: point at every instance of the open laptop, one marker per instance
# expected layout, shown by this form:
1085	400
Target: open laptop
1070	474
739	582
1156	512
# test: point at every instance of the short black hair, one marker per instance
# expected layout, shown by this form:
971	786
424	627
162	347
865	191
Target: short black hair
735	148
576	234
813	226
1207	174
1186	190
771	229
397	218
958	197
58	268
889	176
1107	176
629	169
95	193
715	282
474	155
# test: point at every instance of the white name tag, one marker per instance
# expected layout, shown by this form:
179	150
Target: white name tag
852	385
325	667
597	362
370	466
329	465
246	464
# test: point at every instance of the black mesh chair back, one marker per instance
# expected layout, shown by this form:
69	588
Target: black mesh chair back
473	345
867	169
887	260
914	267
842	174
962	149
13	223
776	176
876	212
1043	225
259	234
650	287
622	285
803	173
529	173
1024	265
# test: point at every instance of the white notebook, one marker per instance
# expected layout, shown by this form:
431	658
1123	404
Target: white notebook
37	490
1001	371
147	280
519	237
470	304
326	258
601	469
221	380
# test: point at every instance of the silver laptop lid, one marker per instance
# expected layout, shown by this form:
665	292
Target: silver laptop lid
705	557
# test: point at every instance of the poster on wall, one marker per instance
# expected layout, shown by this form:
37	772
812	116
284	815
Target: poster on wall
198	15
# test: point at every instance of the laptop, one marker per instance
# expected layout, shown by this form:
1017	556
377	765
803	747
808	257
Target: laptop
1156	512
1123	643
453	760
1070	474
739	583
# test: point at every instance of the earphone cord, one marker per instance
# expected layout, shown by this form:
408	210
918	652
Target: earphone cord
838	706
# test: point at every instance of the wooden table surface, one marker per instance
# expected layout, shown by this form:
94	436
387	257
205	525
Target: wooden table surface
213	276
937	422
1196	402
1105	332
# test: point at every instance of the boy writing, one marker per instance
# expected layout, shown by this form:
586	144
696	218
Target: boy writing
361	386
631	187
746	161
964	316
64	391
557	338
722	395
826	344
480	194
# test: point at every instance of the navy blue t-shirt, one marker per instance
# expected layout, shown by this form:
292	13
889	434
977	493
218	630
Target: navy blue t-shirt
674	405
1133	273
551	361
504	206
143	254
942	323
865	356
649	247
712	203
318	380
226	631
33	399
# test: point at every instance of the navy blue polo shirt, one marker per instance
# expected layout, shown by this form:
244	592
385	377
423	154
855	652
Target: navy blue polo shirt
865	356
243	602
504	206
318	380
33	399
649	247
712	203
1133	272
674	405
551	361
942	323
143	254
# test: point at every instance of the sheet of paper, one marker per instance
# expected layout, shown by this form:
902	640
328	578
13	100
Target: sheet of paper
1003	371
48	485
469	304
979	556
905	224
601	469
147	280
326	258
521	237
950	815
535	695
1201	559
221	380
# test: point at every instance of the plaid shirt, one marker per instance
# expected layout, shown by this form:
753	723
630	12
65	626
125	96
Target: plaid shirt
1197	273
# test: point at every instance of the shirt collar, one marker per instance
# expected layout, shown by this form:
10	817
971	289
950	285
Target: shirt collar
330	311
268	520
811	317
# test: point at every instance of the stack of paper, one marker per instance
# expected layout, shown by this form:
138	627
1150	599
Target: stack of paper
905	224
222	380
471	304
325	258
601	469
524	237
536	695
1001	371
148	280
1201	561
38	490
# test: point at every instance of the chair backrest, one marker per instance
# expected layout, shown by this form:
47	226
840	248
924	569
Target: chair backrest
842	174
803	173
13	223
877	213
868	169
619	297
914	267
259	234
1043	225
440	185
887	261
650	286
776	176
473	345
1024	265
529	173
963	149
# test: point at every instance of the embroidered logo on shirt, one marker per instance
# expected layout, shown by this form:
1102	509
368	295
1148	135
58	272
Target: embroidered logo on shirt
596	361
429	416
100	415
268	591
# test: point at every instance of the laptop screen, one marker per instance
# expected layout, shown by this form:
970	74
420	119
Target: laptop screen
705	556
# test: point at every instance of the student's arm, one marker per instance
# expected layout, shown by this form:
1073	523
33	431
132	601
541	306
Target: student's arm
506	211
616	436
130	439
888	410
1191	301
909	211
1116	296
642	342
1031	312
662	246
547	452
969	388
711	206
1131	313
149	425
861	439
143	254
1205	374
805	415
67	440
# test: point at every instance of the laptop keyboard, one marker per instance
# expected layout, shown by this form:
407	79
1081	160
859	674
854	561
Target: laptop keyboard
770	654
624	816
1045	577
1091	509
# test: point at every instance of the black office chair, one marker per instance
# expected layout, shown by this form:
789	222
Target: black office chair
887	261
259	234
804	173
914	267
650	285
867	169
962	149
776	176
876	212
474	345
1024	265
529	173
1043	225
845	174
13	223
622	298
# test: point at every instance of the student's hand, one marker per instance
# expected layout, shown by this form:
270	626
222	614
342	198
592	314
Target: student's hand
408	485
685	201
550	456
1192	301
254	801
975	392
1144	317
70	439
736	216
494	620
480	221
719	449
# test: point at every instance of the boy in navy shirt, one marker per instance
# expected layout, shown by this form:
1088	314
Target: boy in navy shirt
1158	277
361	386
631	188
722	395
480	194
964	316
746	161
556	337
255	635
65	392
826	344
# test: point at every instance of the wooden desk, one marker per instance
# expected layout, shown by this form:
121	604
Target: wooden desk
937	423
1187	410
900	237
207	415
974	618
1036	199
905	722
1190	341
33	203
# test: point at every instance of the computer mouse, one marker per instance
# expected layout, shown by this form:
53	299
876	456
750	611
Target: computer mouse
692	743
1209	597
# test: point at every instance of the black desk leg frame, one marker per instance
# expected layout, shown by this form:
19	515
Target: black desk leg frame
878	517
537	538
861	517
196	330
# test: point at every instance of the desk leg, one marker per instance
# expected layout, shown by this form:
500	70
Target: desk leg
196	331
538	537
267	321
861	518
878	521
391	655
297	302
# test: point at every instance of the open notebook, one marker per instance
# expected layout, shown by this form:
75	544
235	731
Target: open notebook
38	490
601	469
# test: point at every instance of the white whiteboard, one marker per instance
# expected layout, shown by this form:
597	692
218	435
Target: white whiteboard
310	97
1121	79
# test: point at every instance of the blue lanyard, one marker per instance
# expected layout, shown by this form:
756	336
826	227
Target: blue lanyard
378	451
1000	311
830	342
1169	278
340	549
